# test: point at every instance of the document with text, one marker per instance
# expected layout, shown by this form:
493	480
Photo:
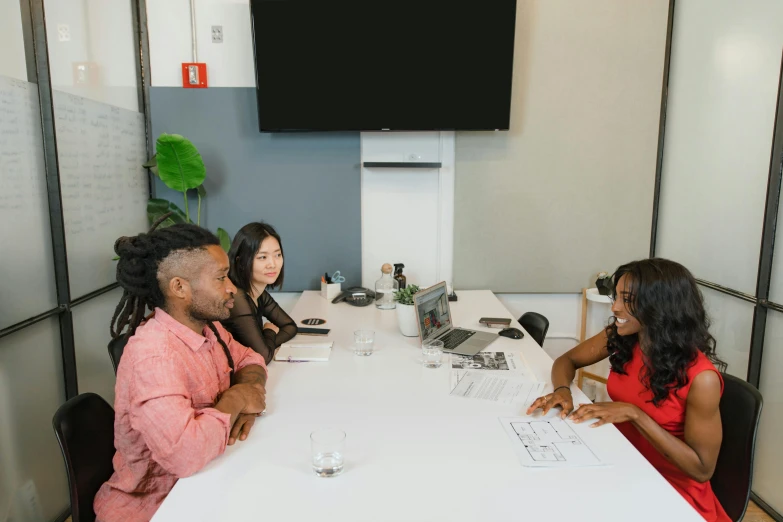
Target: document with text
498	388
492	363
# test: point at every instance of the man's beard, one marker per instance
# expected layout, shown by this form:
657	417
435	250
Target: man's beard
208	312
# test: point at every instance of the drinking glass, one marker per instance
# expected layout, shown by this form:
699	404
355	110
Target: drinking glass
432	353
363	341
328	446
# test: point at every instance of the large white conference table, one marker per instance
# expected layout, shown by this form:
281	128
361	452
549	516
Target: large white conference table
413	452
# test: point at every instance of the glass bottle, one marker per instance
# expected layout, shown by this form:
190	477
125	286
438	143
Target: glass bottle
399	276
385	288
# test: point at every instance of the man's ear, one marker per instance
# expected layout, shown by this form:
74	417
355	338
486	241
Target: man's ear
179	288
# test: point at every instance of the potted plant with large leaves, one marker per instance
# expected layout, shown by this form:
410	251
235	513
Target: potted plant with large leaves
178	164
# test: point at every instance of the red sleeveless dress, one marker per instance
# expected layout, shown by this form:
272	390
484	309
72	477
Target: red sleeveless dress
670	415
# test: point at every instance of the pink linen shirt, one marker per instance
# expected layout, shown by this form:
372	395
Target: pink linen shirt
165	423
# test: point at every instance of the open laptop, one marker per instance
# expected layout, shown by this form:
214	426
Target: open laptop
434	318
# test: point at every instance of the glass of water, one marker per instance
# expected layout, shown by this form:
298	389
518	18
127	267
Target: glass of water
328	446
432	353
363	341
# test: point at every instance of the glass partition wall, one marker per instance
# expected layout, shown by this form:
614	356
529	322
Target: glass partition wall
73	134
72	141
717	207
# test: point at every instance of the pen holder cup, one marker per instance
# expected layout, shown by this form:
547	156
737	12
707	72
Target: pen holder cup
330	291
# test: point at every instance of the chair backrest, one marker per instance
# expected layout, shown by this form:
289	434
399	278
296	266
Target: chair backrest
116	347
85	430
740	409
536	325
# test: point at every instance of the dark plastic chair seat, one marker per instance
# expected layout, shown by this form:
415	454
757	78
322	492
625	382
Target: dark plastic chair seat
740	410
85	430
536	325
116	347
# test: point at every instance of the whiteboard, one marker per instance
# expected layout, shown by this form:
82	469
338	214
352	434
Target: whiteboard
104	188
27	288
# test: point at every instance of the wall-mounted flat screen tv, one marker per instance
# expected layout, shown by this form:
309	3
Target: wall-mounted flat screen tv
371	65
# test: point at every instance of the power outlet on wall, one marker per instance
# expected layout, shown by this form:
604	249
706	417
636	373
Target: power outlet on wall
63	32
217	34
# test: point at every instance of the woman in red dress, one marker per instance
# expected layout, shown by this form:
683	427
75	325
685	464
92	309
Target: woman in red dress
663	383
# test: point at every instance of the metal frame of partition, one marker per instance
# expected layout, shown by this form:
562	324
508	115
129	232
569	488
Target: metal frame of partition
56	221
37	59
761	298
662	127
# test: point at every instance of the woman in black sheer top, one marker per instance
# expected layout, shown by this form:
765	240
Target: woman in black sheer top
256	257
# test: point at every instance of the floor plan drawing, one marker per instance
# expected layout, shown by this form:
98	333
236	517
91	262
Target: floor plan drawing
548	442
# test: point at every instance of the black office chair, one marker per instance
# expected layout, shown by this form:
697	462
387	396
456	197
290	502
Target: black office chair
116	347
85	430
536	325
740	409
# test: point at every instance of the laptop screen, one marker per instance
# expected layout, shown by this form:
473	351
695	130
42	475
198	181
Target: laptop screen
433	312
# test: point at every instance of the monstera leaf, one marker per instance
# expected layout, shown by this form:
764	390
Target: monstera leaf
157	207
225	239
179	163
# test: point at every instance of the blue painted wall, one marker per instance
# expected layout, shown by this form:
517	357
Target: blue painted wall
307	185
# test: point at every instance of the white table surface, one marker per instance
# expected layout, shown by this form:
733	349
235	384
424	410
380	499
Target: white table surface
413	452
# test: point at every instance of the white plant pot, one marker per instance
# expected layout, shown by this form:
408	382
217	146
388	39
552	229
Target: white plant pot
406	318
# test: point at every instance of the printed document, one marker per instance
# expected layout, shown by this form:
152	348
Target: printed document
494	363
499	388
548	442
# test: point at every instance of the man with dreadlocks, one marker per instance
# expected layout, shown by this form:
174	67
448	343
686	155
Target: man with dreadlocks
185	388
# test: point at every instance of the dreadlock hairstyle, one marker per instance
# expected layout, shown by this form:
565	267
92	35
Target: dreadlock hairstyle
137	269
665	299
137	274
226	351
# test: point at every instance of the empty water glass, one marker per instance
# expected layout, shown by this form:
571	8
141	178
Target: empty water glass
328	446
432	353
363	341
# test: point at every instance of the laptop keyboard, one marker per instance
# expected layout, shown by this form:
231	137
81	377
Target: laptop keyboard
454	338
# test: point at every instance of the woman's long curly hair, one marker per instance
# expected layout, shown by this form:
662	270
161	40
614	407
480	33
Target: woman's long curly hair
664	297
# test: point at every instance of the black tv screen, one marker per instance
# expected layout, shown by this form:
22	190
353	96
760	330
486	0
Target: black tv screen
334	65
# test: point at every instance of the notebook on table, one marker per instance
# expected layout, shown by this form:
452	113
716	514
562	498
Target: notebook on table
304	351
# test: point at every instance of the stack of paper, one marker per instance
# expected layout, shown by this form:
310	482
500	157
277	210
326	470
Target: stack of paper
494	376
502	362
511	389
304	351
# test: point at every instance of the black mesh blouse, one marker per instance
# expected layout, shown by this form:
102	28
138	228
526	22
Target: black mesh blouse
246	324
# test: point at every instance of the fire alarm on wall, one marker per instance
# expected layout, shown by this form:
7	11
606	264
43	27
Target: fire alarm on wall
194	75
